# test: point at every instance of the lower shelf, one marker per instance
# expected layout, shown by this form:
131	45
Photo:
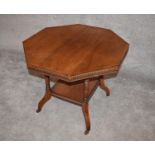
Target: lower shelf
73	92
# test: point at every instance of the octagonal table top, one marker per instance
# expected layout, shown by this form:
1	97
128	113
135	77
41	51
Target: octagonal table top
75	52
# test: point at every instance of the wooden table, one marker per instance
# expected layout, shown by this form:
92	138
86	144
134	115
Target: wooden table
77	58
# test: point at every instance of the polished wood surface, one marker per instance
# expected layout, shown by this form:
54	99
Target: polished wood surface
78	58
75	52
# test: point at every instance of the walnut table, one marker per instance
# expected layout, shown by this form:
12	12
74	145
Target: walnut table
77	58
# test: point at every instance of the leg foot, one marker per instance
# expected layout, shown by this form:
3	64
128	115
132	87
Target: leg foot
38	110
104	87
86	132
86	117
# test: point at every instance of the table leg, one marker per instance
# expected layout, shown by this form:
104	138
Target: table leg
85	107
47	96
104	87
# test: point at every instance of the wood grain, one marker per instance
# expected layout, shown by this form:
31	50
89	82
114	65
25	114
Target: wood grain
75	52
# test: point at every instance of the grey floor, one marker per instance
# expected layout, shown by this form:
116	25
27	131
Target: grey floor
128	114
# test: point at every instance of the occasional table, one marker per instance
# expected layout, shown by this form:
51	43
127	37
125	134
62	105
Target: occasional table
78	58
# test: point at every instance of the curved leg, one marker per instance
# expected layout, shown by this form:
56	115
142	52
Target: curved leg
85	109
47	95
86	117
42	102
104	87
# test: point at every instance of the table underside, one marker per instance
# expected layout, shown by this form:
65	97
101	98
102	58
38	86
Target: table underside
74	92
